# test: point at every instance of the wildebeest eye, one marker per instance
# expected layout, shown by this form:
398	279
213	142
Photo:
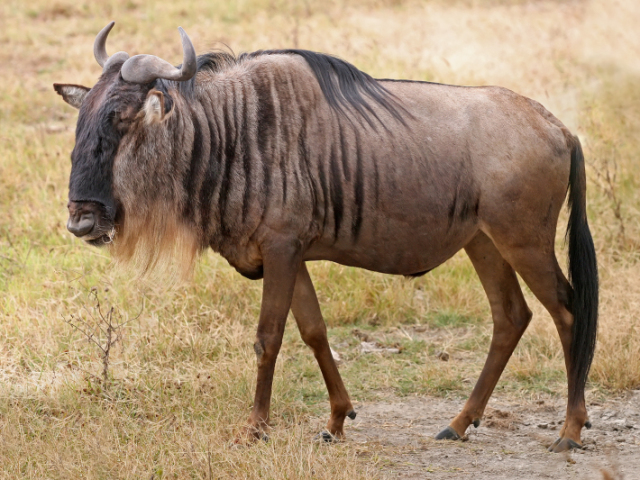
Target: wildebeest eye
119	120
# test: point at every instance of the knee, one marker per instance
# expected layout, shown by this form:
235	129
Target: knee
314	337
266	347
526	317
518	314
258	347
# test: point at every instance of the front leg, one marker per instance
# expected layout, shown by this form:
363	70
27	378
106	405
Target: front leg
306	310
281	262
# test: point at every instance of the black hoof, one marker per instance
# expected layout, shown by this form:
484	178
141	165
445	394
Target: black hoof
448	434
587	424
325	437
563	445
352	414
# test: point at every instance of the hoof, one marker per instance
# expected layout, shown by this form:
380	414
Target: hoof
352	414
325	437
563	445
448	434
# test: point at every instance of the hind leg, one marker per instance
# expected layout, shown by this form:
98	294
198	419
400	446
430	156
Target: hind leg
539	268
510	319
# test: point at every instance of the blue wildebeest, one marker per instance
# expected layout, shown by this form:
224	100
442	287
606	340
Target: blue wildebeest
276	158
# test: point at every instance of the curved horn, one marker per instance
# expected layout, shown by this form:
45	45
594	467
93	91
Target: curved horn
100	51
147	68
99	46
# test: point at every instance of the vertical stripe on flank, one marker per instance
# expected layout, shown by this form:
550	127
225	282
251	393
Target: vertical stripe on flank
266	133
359	189
325	193
303	175
335	187
193	169
376	181
344	152
209	175
243	143
229	156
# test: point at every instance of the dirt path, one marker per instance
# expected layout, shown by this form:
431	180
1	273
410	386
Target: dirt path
510	444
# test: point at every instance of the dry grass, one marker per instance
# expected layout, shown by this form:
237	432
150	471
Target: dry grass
182	378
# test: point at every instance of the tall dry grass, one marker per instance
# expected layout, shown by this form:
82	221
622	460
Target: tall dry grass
182	377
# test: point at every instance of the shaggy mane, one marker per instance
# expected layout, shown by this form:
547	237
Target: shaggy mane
344	86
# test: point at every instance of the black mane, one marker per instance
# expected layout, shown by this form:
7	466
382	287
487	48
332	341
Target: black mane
343	85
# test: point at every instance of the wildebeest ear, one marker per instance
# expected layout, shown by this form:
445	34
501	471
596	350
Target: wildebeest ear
154	107
72	94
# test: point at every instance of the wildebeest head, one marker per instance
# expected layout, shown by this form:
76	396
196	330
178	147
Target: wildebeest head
128	92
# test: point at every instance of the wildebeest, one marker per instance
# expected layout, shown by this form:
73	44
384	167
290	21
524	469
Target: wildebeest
276	158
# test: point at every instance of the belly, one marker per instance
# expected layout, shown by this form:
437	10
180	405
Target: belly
404	250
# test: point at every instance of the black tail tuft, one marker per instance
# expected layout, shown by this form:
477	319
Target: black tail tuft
583	275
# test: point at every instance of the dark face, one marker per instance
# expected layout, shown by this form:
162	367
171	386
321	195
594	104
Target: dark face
107	113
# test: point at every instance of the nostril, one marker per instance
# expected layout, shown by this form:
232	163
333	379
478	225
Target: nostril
82	226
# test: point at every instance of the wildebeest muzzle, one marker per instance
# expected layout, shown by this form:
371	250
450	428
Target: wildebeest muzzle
87	220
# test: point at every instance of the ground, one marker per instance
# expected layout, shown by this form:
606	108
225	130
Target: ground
511	443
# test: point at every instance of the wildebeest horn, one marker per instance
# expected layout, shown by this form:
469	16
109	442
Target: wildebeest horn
100	51
146	68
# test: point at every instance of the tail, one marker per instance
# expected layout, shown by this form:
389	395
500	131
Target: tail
583	275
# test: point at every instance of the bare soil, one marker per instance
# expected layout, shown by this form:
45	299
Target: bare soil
511	442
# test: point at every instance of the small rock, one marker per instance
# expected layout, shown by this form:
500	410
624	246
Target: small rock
543	425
